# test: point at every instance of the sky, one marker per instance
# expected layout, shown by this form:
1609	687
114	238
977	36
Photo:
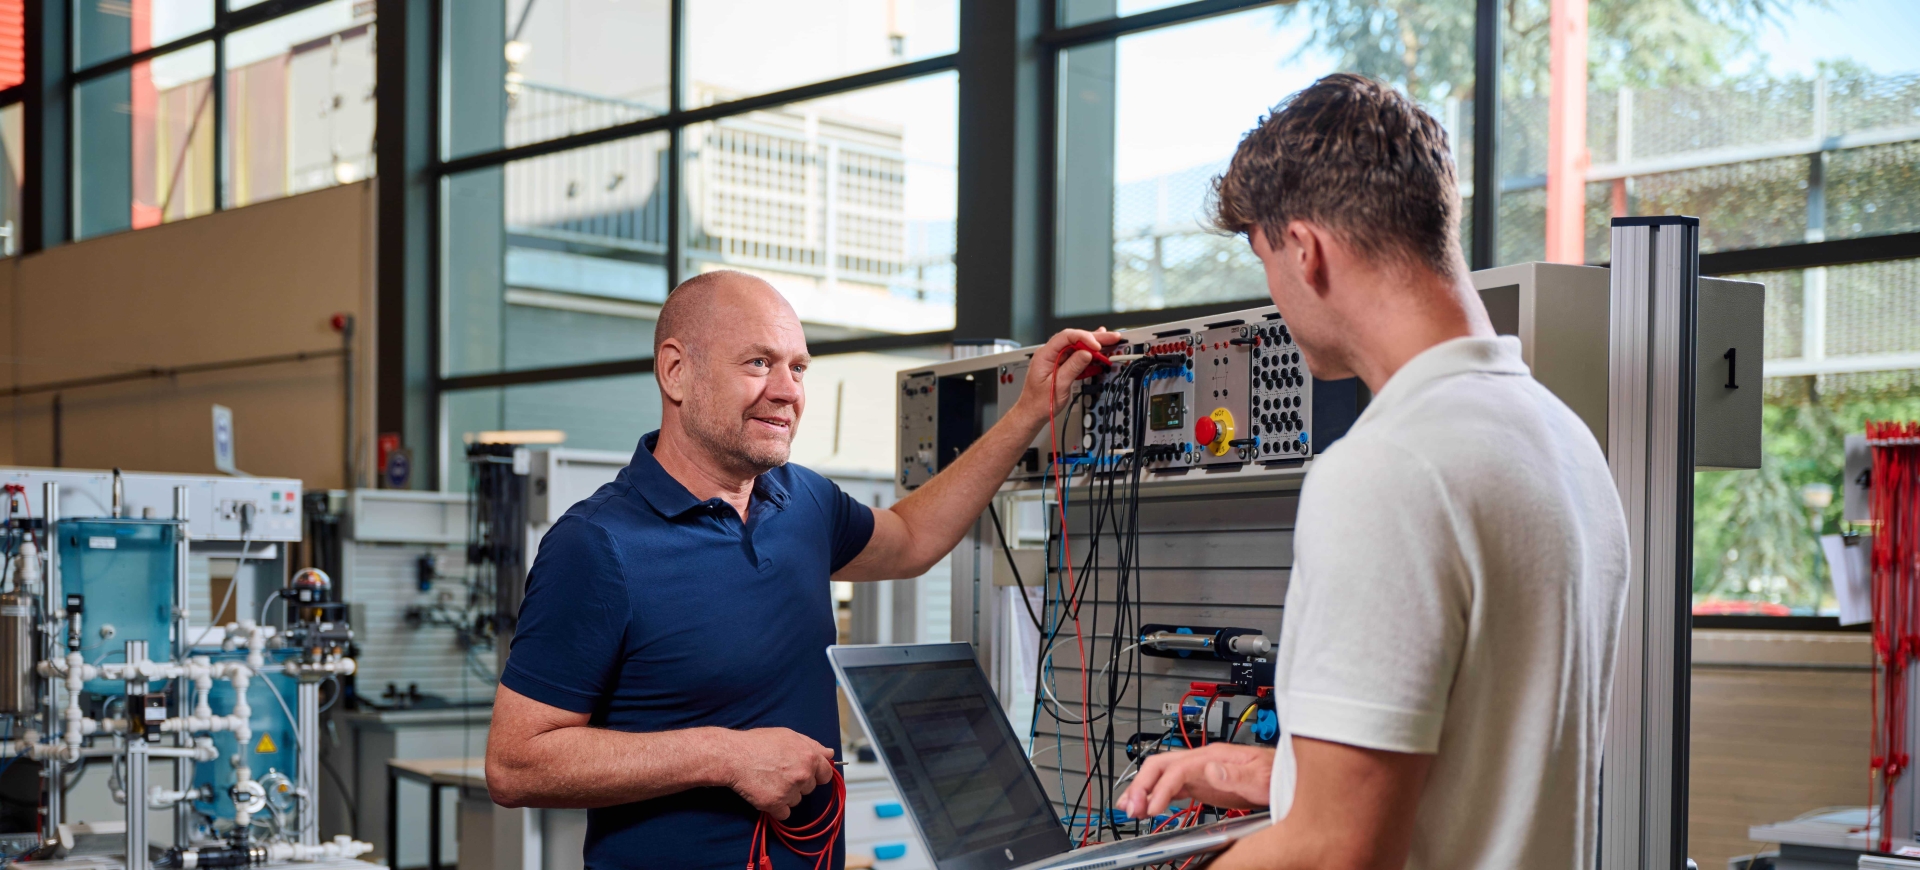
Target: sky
1185	95
1881	34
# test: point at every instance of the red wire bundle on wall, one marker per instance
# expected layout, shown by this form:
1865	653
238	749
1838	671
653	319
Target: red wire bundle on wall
1895	504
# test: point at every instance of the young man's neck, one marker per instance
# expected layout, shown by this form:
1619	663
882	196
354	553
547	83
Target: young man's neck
1403	313
704	475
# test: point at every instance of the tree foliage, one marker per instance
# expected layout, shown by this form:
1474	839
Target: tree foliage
1426	47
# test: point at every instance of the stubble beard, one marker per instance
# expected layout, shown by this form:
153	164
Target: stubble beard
725	436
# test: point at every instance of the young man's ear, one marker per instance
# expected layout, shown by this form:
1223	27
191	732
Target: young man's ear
1307	244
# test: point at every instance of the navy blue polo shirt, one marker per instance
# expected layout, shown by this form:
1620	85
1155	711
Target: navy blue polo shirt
653	611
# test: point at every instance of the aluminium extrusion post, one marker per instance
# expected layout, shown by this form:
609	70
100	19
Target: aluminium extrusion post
1650	448
50	634
135	781
182	689
307	707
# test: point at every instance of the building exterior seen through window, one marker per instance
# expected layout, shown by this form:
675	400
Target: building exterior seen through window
845	203
1774	123
298	104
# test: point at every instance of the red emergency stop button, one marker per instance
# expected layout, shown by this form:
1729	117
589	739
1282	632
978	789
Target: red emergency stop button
1204	431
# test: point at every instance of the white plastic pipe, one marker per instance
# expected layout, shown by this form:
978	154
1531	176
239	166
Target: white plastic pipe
341	846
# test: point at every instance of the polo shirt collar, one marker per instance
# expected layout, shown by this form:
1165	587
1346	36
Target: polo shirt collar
670	497
1497	355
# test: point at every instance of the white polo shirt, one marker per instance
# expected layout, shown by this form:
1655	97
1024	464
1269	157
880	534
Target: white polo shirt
1460	566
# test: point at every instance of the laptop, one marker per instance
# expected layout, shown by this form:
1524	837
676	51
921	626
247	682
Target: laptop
972	794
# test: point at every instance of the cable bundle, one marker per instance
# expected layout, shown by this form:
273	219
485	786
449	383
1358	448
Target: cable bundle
1110	457
1895	507
814	839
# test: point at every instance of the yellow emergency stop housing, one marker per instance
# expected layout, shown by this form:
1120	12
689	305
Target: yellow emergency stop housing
1223	432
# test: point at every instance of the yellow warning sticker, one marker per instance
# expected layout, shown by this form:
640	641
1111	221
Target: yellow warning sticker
266	744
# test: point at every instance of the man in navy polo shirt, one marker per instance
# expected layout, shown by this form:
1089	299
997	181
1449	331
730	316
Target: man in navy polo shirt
668	672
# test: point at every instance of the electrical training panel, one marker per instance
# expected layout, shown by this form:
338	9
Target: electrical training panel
1224	394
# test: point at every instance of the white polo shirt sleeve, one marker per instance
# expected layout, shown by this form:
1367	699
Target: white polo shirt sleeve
1378	639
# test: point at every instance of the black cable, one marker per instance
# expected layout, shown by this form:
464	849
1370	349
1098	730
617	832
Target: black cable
346	794
1001	534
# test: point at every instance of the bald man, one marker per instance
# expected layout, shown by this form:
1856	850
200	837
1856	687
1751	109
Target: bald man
669	672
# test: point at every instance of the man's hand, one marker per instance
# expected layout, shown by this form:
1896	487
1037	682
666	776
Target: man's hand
1033	404
921	529
1226	775
776	767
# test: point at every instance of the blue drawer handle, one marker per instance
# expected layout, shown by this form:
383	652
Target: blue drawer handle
889	811
889	851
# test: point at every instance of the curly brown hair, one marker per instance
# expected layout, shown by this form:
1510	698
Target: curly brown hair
1356	157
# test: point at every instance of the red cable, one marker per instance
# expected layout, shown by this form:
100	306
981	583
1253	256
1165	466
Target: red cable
1066	558
825	830
1895	505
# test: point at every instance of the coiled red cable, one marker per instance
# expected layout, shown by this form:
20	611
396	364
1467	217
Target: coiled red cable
1895	504
815	839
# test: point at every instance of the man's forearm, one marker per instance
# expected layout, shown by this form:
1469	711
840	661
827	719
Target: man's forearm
942	510
583	767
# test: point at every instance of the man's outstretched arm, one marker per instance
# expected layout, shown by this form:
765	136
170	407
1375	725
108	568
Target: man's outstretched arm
542	756
923	528
1352	807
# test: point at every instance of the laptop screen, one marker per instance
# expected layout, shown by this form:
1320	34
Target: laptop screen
954	756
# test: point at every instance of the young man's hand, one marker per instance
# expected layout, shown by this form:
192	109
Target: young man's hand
1225	775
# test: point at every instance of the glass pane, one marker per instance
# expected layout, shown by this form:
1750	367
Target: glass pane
106	29
1082	11
145	136
1841	343
300	102
1146	128
556	260
737	48
1771	128
597	414
13	44
846	204
12	176
530	70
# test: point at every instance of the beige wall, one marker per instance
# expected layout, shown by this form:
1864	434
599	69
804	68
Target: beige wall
257	281
1781	726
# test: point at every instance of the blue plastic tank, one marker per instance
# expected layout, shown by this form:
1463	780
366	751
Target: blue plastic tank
124	569
273	733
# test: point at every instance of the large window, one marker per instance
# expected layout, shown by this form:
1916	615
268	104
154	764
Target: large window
1843	348
1147	121
182	107
1774	123
577	187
